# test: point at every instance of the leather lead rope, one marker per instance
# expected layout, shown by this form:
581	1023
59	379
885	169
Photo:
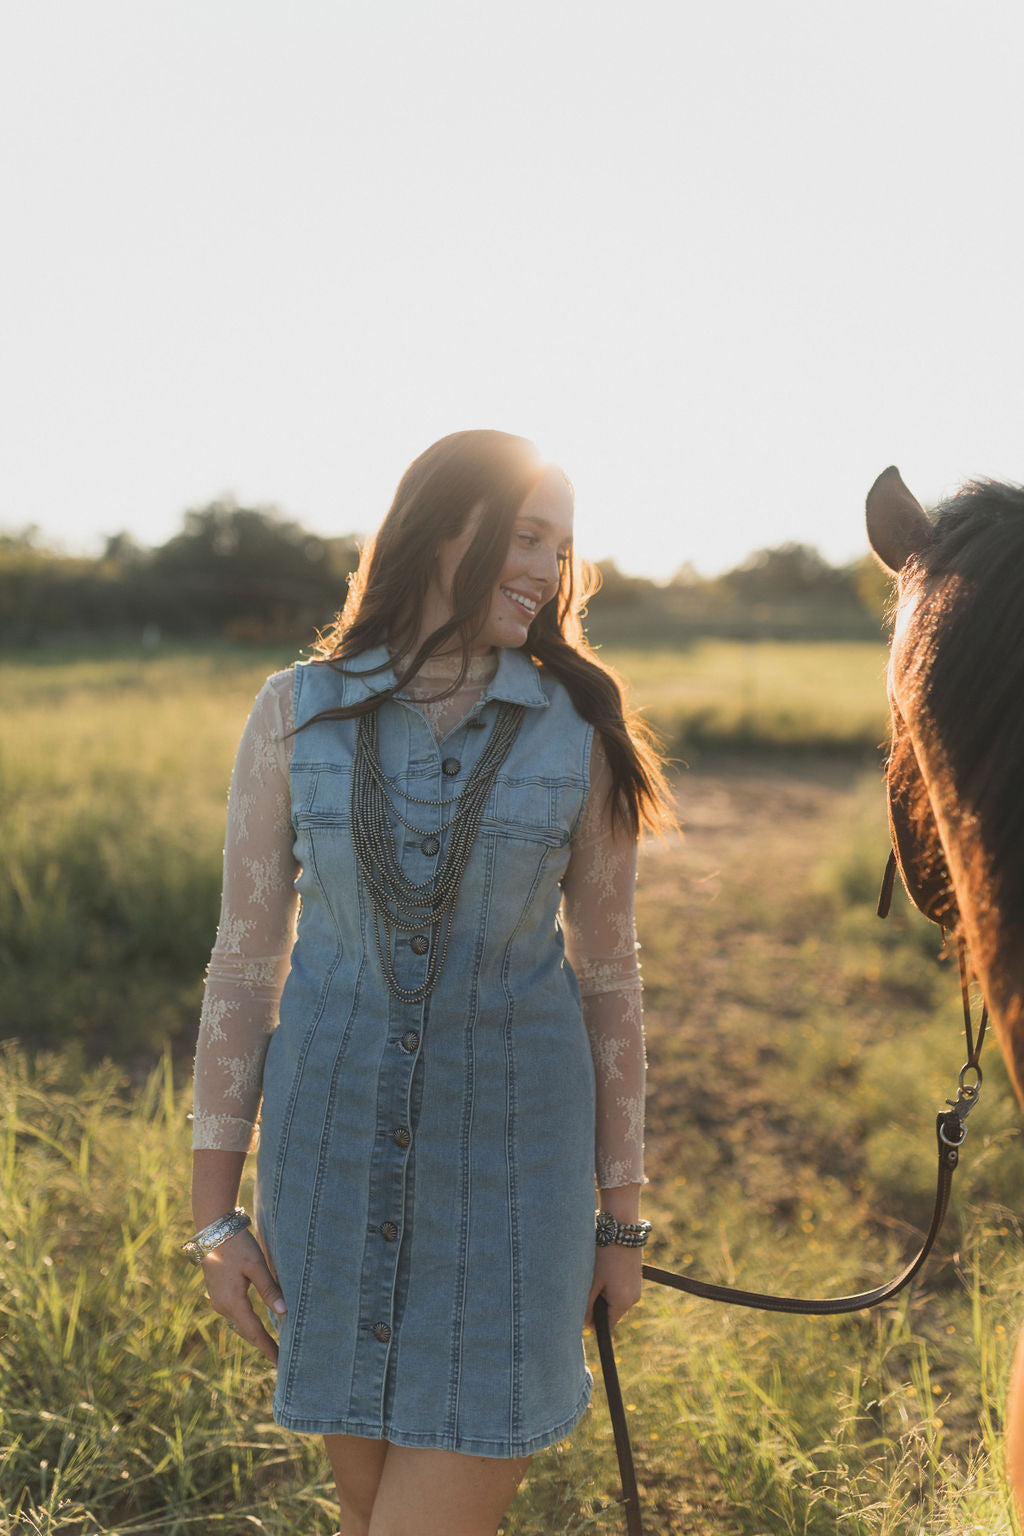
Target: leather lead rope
613	1392
950	1131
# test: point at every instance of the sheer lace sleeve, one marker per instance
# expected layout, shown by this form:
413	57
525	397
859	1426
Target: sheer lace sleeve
601	944
256	932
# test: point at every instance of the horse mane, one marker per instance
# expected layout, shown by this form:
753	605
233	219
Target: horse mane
967	677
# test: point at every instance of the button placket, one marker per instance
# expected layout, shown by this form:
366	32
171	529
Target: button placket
411	957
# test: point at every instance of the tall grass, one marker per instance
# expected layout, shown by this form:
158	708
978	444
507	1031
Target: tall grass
127	1407
113	786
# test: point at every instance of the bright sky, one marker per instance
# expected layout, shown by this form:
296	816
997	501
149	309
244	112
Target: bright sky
724	260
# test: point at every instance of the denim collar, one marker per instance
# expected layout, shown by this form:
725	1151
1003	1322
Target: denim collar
517	680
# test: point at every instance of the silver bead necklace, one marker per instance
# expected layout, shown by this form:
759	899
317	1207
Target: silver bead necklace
398	902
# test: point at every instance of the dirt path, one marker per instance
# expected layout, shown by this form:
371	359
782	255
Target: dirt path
725	913
740	815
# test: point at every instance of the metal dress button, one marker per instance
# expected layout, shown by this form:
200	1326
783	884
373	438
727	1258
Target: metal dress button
431	847
451	766
402	1137
410	1040
419	945
388	1231
382	1331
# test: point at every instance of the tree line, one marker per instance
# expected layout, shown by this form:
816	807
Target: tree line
253	575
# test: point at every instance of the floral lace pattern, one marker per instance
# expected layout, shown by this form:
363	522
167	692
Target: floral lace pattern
259	908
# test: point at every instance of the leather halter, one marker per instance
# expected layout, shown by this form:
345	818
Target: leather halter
916	845
917	854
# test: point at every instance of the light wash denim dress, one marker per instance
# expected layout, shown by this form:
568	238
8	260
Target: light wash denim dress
425	1176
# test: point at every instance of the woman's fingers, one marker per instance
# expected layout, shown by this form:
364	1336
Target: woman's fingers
618	1309
230	1270
268	1288
618	1278
595	1291
253	1331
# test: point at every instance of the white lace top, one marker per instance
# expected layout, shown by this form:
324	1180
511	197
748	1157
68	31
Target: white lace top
259	908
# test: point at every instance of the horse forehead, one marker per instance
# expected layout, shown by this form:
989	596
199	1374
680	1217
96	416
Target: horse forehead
901	648
905	647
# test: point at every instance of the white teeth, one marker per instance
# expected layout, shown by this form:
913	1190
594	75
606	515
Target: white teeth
524	602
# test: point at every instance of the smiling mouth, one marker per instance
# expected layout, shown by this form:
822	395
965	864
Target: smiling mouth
527	604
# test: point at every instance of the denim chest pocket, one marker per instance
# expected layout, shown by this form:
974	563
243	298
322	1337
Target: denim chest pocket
321	795
538	809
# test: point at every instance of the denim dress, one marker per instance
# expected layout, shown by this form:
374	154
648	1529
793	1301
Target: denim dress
425	1180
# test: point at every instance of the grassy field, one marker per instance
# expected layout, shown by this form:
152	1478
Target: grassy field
799	1051
765	695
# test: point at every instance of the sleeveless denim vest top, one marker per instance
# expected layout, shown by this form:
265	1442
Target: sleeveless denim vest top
425	1178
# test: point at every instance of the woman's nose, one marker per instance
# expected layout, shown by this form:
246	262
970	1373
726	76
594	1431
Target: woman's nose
544	565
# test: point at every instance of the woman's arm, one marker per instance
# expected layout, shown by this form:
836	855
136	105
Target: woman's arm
247	971
255	933
601	945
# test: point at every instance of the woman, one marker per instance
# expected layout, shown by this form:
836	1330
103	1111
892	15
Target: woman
451	770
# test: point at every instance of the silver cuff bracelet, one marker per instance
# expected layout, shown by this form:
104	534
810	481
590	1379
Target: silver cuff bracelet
628	1234
216	1233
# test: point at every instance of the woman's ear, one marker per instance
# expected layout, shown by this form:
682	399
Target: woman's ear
898	525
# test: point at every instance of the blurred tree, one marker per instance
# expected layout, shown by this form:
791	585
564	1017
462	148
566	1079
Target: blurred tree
237	566
29	536
121	549
617	588
790	573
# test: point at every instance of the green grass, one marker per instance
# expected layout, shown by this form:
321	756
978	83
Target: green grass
764	695
799	1051
127	1407
113	789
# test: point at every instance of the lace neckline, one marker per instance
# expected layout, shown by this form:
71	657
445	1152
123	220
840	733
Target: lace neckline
445	669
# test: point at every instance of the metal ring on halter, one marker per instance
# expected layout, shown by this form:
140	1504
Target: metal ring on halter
975	1088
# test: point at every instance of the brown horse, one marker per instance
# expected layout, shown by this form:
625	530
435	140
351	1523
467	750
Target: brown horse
956	767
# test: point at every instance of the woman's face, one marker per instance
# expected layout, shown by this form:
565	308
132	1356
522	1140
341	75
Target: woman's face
530	576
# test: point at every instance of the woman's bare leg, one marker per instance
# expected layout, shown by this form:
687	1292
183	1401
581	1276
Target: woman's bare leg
443	1493
1015	1429
357	1465
391	1490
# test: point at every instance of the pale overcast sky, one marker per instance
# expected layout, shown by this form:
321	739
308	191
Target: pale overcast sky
723	260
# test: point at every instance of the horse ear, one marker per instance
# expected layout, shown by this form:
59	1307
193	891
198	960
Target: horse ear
898	525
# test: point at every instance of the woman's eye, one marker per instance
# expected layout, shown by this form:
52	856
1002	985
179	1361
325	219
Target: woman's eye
527	538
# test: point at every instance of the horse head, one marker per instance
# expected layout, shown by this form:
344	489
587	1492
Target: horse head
956	694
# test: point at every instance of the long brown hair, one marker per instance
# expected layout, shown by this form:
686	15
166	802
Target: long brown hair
435	496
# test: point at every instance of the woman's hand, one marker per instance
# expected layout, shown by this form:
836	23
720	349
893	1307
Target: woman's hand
618	1279
230	1269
